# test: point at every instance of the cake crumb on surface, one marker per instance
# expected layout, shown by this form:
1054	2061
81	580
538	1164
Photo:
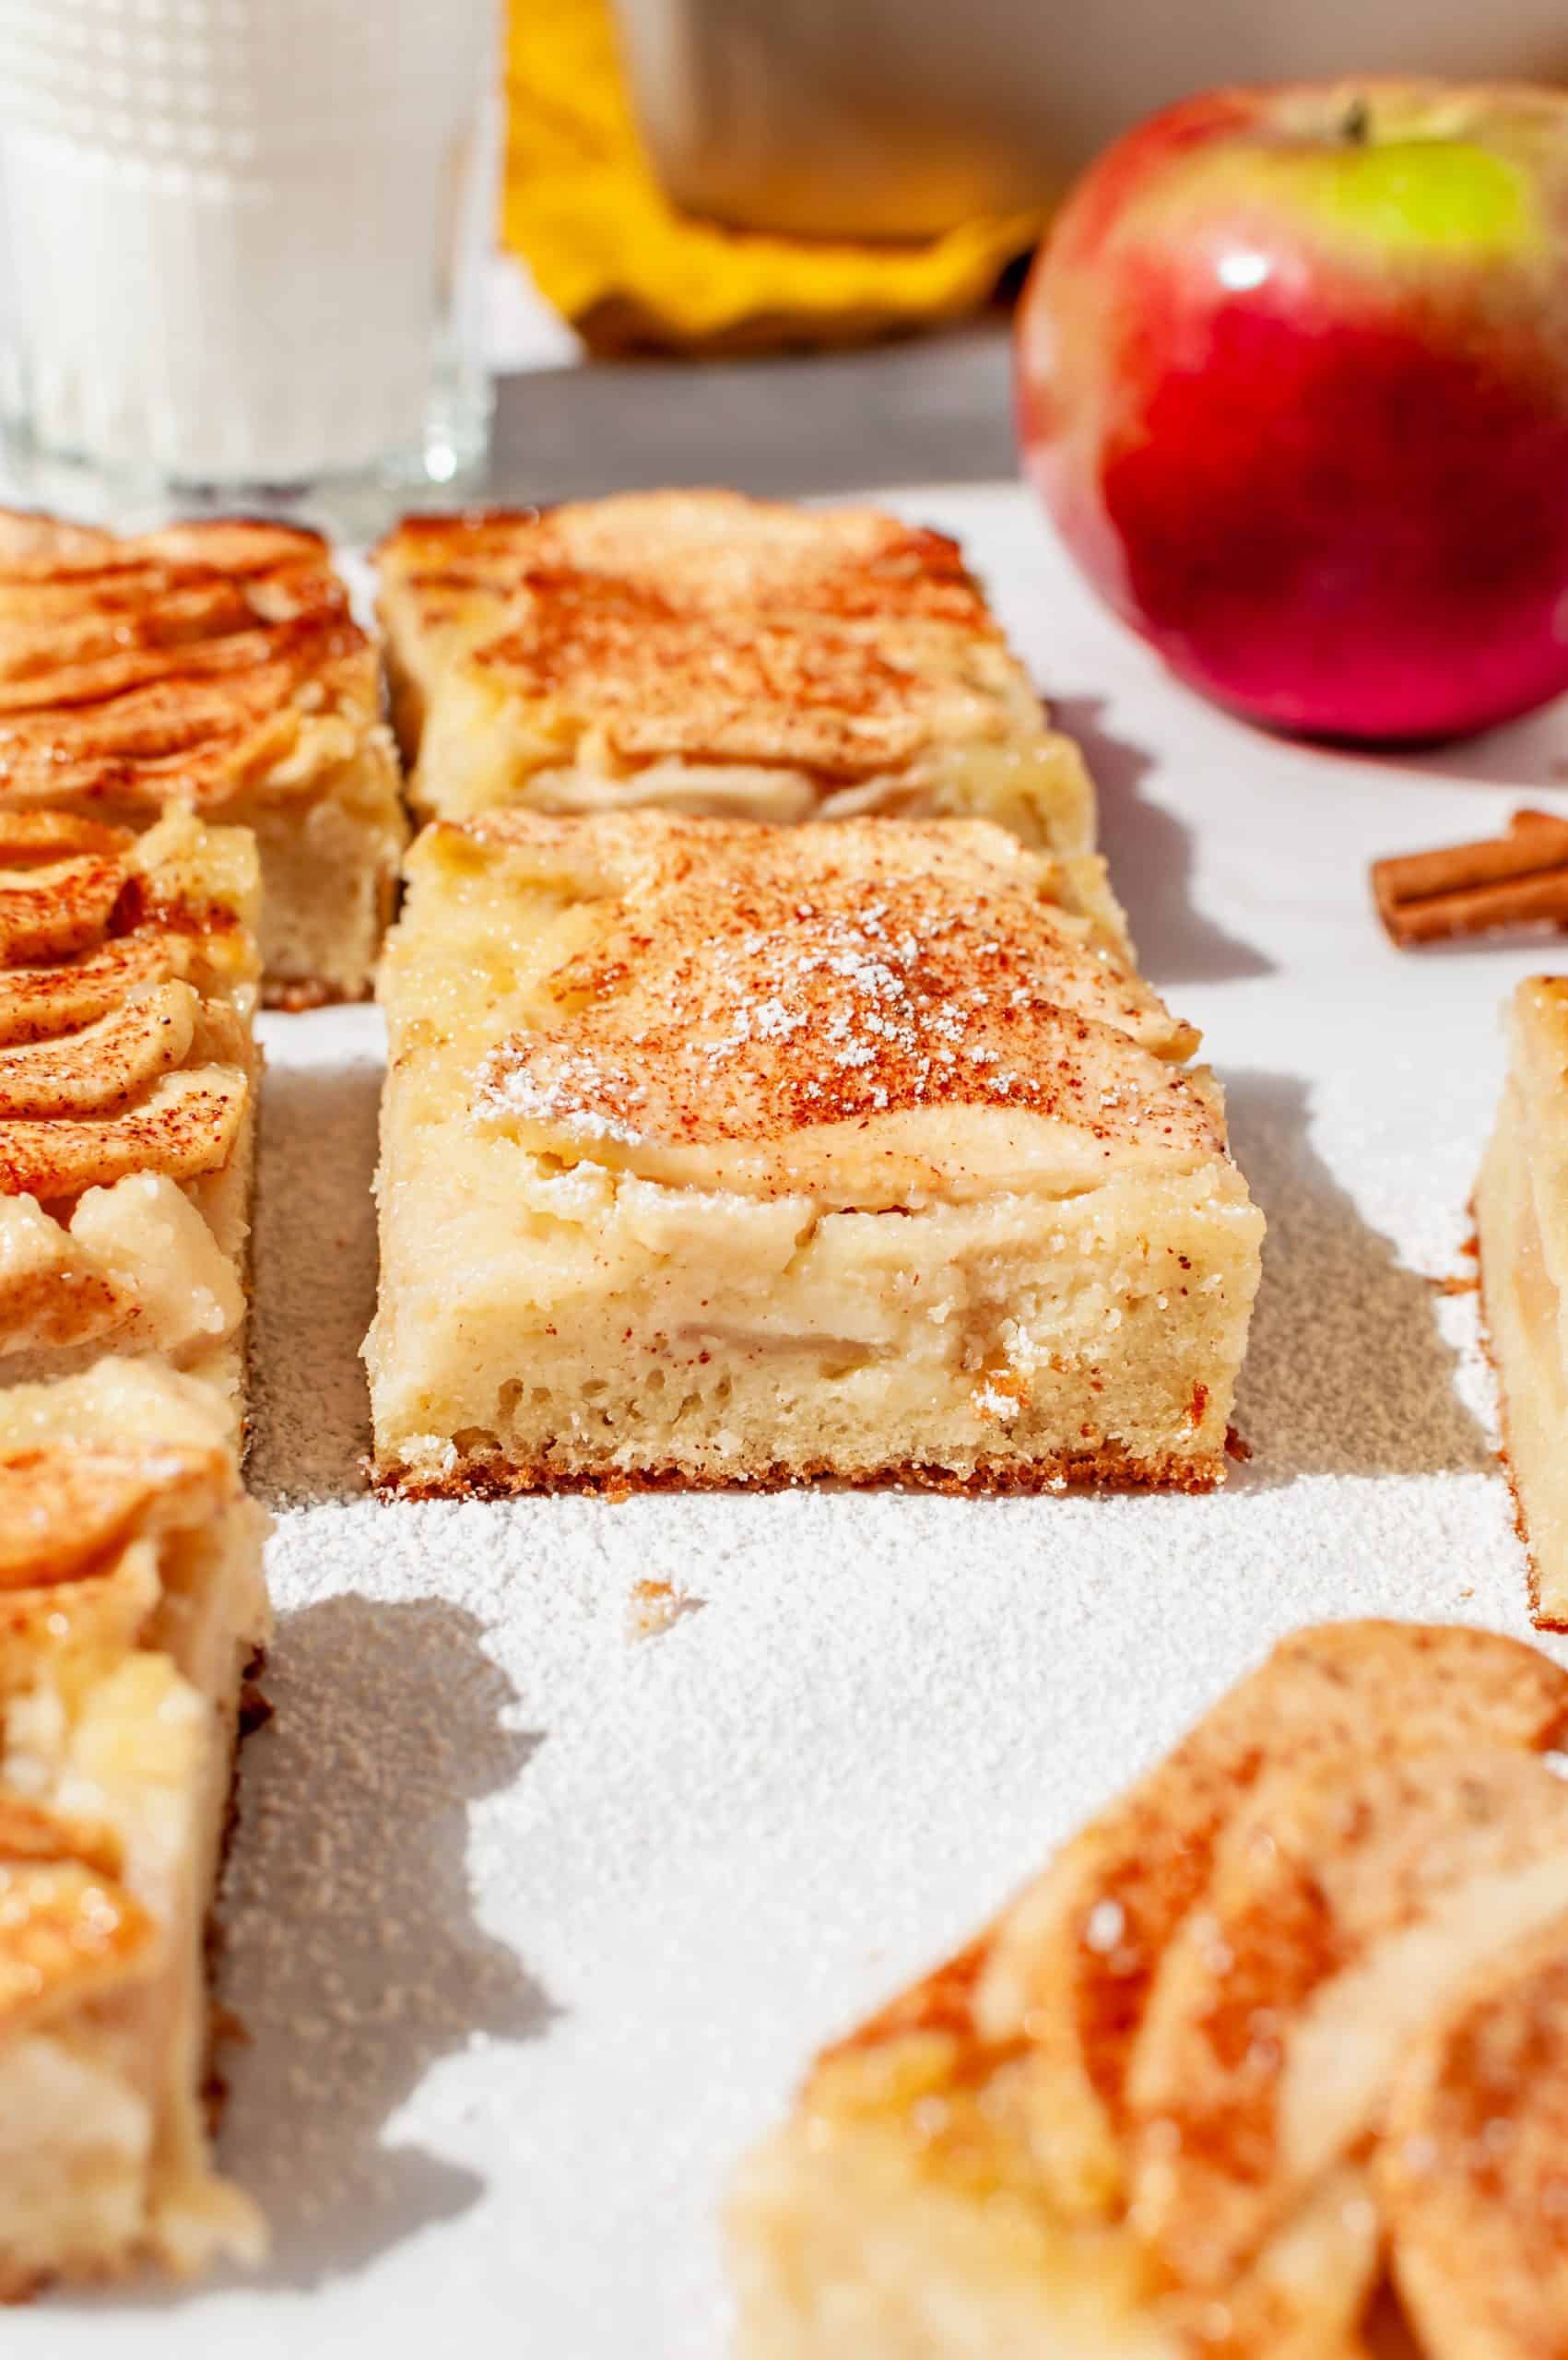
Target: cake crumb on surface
654	1608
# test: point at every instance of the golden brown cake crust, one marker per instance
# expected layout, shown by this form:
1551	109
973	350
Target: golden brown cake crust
1505	1461
1108	1469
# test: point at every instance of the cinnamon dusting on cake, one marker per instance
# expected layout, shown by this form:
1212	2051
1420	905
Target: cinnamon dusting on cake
113	1058
708	552
751	982
663	681
171	667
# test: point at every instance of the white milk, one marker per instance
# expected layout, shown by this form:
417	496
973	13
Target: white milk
241	233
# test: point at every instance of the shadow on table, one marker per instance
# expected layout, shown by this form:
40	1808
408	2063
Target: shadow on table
1521	758
314	1274
1150	857
352	1956
1346	1372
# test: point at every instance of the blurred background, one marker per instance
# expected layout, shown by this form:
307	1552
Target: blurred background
309	249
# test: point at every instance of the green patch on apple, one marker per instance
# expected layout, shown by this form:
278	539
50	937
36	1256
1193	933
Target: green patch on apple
1449	195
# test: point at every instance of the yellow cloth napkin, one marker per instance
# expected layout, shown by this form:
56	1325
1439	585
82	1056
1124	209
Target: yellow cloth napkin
629	269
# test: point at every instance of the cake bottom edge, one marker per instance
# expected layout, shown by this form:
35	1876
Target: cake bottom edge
1108	1469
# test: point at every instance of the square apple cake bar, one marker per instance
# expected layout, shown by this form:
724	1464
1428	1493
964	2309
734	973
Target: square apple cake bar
715	656
715	1152
130	1566
217	666
127	985
1521	1207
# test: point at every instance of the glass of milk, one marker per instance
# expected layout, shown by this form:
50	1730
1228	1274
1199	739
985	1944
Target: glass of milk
242	243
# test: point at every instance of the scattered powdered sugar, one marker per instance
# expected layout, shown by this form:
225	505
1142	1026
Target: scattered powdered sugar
509	1090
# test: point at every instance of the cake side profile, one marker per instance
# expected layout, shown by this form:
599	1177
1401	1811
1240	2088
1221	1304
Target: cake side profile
130	1603
128	978
214	668
1521	1207
1285	2002
715	1153
716	656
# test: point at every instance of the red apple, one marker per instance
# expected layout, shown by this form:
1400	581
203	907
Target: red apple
1293	382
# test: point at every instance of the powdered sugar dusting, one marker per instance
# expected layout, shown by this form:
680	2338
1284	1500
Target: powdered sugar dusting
745	986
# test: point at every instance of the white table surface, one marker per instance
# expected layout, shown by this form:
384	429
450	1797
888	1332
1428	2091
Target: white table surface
534	1926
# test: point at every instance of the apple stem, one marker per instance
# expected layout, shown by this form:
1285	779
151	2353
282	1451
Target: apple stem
1357	124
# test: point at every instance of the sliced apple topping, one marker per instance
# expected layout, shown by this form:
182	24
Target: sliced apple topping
54	1294
52	912
1304	2295
57	1638
1345	1903
39	1003
69	1935
1074	1960
856	1012
1472	2167
106	1064
145	1233
60	878
62	1517
27	1832
187	1125
1339	1921
38	839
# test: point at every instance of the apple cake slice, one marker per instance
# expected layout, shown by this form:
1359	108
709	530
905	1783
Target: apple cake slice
715	1152
214	667
1265	1933
718	656
130	1564
1521	1208
127	986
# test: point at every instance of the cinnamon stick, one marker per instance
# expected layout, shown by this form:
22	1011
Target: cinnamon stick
1502	882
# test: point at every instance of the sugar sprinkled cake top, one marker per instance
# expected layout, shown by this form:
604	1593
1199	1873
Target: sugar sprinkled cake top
752	989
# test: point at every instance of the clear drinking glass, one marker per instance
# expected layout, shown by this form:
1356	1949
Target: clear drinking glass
243	245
